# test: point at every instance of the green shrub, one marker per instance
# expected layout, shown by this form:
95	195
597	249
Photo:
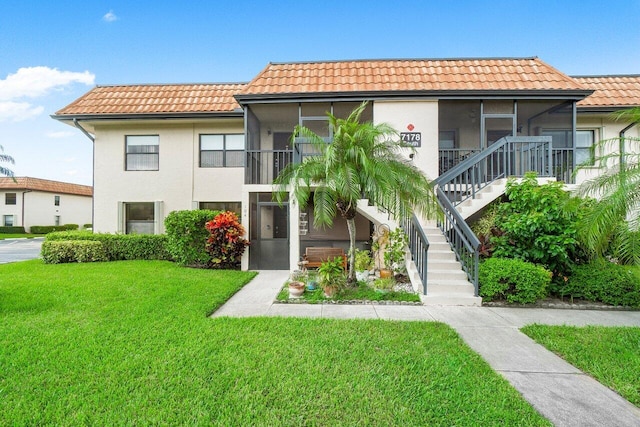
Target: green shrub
513	279
538	224
85	226
605	282
122	246
45	229
187	236
12	230
57	252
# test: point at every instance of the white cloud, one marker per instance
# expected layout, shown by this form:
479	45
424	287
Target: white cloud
33	82
69	159
59	134
17	111
71	172
109	17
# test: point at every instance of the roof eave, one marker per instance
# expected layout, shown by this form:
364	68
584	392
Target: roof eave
149	116
576	94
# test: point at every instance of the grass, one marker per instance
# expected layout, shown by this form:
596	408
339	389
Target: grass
4	236
611	355
130	342
361	292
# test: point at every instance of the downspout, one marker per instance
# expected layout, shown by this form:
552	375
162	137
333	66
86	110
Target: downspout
22	219
621	147
93	174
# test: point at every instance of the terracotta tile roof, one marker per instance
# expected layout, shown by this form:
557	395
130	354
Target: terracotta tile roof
611	91
409	75
155	99
37	184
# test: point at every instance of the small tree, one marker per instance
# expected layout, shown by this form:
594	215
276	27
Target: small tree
363	161
226	244
538	224
613	224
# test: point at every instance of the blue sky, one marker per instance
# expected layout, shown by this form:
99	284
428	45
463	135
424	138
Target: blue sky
51	52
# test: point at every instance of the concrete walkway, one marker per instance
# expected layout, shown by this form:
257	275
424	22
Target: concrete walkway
559	391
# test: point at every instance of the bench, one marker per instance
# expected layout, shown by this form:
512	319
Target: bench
314	256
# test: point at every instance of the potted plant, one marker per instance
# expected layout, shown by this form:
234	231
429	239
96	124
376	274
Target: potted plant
364	262
331	276
395	252
297	284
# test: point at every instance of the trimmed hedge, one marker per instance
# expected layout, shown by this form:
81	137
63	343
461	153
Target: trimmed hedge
515	280
604	281
56	252
85	226
187	236
46	229
122	246
12	230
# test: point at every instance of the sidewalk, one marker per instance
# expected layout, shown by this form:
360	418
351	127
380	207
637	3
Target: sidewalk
559	391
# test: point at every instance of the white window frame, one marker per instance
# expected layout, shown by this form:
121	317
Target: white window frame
225	139
135	147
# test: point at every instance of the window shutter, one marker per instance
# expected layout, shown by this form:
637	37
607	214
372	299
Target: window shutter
121	219
158	218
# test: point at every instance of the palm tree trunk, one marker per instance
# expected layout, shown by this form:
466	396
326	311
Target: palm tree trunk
351	226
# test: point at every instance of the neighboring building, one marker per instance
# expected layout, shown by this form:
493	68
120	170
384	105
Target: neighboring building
595	121
159	148
33	201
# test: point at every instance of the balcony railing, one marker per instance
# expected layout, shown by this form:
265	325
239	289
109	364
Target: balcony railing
263	166
449	157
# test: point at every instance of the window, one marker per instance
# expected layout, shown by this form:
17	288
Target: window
560	138
447	139
142	152
235	207
139	218
8	220
584	147
56	220
217	151
56	200
10	198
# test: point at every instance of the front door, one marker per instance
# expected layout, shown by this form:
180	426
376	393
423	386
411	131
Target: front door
496	128
269	248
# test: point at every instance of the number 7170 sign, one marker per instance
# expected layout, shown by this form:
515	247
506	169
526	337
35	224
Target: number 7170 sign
411	138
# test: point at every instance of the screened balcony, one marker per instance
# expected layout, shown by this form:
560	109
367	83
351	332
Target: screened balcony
468	127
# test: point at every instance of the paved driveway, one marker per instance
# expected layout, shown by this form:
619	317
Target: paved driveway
12	250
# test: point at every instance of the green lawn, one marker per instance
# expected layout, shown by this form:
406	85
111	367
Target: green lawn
19	236
130	343
609	354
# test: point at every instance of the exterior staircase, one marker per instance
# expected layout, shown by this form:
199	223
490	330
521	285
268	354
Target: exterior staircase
447	283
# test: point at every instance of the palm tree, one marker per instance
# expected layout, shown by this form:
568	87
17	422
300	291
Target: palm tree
614	220
5	159
363	161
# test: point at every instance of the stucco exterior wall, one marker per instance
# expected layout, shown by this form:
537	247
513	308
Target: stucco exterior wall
178	183
604	128
423	115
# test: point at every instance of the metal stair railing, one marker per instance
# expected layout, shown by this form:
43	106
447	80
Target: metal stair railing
418	247
507	157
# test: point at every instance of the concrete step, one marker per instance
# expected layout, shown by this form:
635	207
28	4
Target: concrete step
444	265
433	274
436	255
468	301
445	287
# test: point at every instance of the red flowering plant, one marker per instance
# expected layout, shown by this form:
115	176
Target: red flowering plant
226	244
